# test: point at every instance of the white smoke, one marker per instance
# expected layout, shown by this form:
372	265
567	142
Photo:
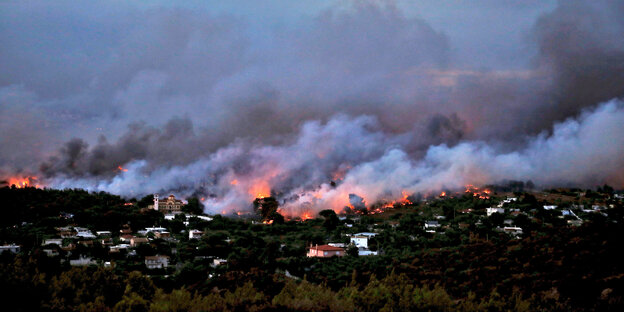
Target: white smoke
362	159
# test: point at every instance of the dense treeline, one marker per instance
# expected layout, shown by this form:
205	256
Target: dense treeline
99	289
468	267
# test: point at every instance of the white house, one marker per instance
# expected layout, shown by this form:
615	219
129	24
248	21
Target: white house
217	262
550	207
195	234
84	232
10	248
359	241
491	210
156	262
431	225
369	234
366	252
51	252
154	230
82	262
53	241
513	230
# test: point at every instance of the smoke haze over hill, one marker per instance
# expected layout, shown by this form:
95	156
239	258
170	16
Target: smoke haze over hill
384	98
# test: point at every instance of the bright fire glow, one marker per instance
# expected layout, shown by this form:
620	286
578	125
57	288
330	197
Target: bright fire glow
260	190
122	169
476	192
22	182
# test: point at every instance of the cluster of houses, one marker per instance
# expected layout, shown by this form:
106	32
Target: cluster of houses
126	241
71	237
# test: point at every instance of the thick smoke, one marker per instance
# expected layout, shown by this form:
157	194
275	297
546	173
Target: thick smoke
324	169
378	97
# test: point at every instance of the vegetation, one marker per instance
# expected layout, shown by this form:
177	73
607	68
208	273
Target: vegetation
467	264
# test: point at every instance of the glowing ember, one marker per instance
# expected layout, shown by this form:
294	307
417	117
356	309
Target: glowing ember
122	169
267	221
234	182
476	192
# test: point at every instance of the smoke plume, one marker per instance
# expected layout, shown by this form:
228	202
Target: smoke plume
328	106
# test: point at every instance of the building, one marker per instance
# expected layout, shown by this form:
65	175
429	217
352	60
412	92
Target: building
156	262
66	232
366	252
170	205
325	251
51	252
431	225
82	262
53	241
10	248
163	234
84	233
195	234
136	241
513	230
492	210
359	241
217	262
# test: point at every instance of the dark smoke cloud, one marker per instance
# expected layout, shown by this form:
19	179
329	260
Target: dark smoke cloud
191	99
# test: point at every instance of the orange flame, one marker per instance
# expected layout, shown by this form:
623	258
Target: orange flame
443	194
476	192
234	182
122	169
22	182
306	216
260	190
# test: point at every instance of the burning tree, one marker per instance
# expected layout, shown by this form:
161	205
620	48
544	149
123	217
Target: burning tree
267	206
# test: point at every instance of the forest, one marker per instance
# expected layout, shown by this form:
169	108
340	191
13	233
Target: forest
466	265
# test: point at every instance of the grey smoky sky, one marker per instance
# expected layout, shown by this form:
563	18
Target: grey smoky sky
86	87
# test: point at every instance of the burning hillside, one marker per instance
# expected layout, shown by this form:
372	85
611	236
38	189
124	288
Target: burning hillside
362	107
21	182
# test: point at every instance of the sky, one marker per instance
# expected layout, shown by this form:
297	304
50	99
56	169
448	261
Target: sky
192	95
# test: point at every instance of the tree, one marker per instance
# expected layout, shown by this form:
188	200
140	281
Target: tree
194	206
146	201
352	251
267	206
331	220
